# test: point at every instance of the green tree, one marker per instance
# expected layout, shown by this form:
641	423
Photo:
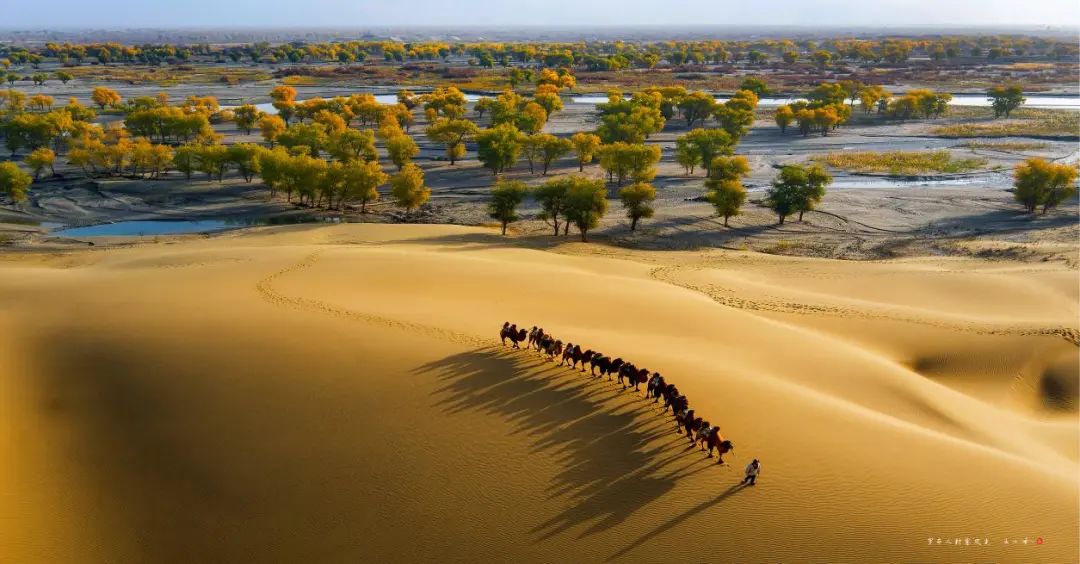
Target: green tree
1042	183
360	181
310	135
245	117
186	158
822	58
852	88
482	106
1005	99
637	201
506	196
756	85
453	133
871	97
696	106
725	190
586	203
737	114
585	147
448	102
212	160
499	147
727	197
351	144
305	175
246	158
632	161
407	188
708	143
532	148
687	155
796	189
553	149
728	167
14	182
551	196
64	77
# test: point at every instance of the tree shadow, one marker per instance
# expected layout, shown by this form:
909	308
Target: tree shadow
609	443
1005	221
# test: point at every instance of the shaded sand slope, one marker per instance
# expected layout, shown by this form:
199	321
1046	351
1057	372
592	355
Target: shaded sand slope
336	394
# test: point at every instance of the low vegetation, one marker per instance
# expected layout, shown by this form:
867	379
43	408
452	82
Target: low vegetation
901	162
1008	146
1023	123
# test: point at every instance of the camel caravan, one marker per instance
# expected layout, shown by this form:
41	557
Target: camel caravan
697	429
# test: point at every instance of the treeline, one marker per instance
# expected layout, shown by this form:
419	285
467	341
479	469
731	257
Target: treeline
325	152
591	55
830	105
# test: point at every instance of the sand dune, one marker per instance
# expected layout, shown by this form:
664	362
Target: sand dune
337	394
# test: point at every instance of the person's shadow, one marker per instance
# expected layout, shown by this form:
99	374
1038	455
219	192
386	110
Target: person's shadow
679	519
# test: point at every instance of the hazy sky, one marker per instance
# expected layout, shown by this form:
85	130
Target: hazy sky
358	13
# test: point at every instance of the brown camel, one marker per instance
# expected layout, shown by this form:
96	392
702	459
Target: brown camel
722	445
511	332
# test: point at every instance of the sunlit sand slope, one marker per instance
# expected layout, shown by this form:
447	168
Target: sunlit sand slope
338	394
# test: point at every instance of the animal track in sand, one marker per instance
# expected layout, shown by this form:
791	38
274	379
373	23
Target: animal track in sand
727	297
265	287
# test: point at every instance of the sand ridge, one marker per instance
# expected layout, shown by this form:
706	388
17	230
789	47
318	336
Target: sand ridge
336	393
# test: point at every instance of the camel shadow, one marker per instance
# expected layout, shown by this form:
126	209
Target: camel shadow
612	448
677	520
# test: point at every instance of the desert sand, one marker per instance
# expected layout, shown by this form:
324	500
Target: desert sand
339	394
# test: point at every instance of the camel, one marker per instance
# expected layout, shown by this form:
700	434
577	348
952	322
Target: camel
550	346
621	373
679	403
669	393
692	425
655	381
681	419
639	377
538	338
511	332
659	388
553	348
583	357
697	429
702	432
600	361
568	353
633	375
715	440
614	367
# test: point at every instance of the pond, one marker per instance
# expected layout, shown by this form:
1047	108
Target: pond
1033	101
151	227
146	228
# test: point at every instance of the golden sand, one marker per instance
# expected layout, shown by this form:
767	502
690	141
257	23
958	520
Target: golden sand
338	394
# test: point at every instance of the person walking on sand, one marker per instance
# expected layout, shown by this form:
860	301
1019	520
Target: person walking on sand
752	471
